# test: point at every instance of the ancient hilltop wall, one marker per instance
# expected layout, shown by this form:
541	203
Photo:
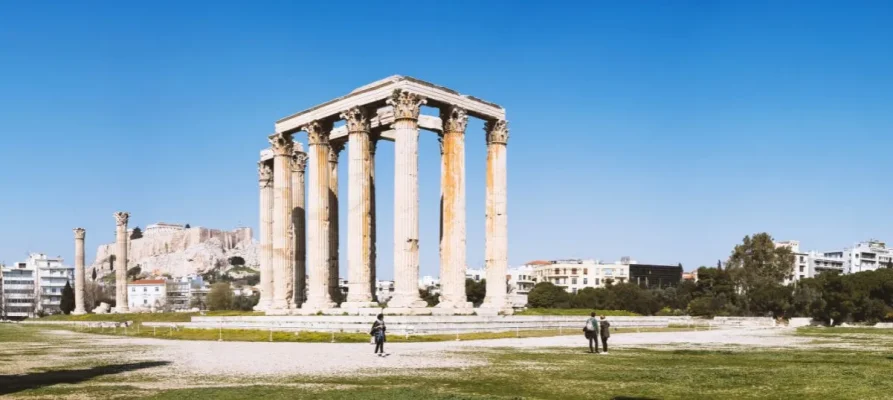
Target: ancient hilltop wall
181	251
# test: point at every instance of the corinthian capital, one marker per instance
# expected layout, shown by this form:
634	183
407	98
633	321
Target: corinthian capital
281	144
299	159
497	131
264	173
335	148
80	233
357	119
454	119
406	104
121	218
318	132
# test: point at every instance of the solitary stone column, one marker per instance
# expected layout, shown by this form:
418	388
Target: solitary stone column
79	235
373	244
452	250
406	199
496	241
121	219
318	250
359	219
299	215
265	256
283	230
334	151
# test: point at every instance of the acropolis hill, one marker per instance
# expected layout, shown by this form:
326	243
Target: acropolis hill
179	251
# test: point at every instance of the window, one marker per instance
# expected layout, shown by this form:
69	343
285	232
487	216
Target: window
156	288
801	268
557	271
585	281
133	290
574	281
144	290
596	281
145	301
573	271
585	271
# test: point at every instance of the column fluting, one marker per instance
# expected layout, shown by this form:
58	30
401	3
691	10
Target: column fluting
406	199
265	233
283	229
335	149
79	280
453	230
496	241
318	222
121	219
299	221
359	219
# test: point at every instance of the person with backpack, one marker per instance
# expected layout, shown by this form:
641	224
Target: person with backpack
378	332
591	331
605	329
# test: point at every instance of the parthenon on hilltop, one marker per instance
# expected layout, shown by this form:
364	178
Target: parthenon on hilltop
300	240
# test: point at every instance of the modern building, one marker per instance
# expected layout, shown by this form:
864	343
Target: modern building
52	276
863	256
183	292
521	281
147	294
384	290
655	276
19	290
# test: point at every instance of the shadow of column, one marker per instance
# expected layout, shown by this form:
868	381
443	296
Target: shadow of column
16	383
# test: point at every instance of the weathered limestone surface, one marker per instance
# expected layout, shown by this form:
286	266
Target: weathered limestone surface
335	149
496	241
406	200
121	219
452	251
265	181
79	236
359	219
180	251
299	218
283	230
318	295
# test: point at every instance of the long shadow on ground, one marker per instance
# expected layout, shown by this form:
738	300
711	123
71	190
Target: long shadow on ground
16	383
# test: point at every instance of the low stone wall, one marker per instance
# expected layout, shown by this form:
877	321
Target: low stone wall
81	324
448	324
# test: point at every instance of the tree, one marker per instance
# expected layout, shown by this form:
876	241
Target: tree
430	298
136	233
67	303
187	226
475	291
236	261
758	261
547	295
94	274
220	297
134	272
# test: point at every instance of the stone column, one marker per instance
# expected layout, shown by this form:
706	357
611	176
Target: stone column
265	256
335	149
318	296
373	244
406	199
79	235
452	249
283	230
299	220
359	219
496	241
121	219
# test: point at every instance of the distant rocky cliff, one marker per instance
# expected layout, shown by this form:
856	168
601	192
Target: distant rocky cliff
180	251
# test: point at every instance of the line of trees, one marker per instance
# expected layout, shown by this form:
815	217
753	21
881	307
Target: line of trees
752	284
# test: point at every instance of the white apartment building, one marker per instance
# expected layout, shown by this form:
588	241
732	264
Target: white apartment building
573	275
863	256
384	290
147	294
521	280
52	276
19	289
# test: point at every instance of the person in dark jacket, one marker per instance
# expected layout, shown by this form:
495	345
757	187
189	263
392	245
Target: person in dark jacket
379	333
605	330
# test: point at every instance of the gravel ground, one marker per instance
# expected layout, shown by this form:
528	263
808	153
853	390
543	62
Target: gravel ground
271	359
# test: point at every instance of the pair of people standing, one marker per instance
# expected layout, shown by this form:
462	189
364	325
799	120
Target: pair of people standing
596	329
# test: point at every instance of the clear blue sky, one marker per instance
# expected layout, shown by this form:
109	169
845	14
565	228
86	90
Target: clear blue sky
665	131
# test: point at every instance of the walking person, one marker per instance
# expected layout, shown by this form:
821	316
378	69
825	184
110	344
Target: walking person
378	332
591	331
605	329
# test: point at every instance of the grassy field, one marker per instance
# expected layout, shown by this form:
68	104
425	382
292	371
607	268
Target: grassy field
511	374
146	317
575	312
253	335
